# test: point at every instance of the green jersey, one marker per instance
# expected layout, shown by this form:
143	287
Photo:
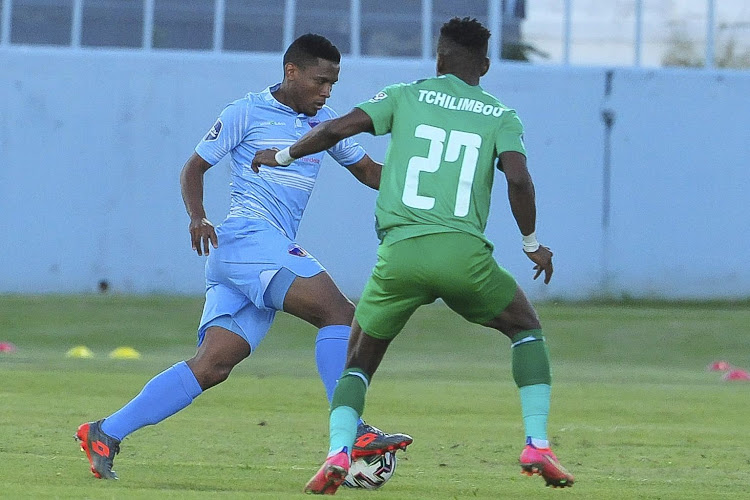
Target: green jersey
439	167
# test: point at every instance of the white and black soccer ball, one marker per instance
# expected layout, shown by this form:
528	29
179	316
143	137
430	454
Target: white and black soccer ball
371	472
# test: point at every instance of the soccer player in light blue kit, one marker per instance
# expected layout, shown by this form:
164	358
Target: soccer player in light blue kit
256	268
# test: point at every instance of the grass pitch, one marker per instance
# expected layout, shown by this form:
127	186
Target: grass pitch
635	414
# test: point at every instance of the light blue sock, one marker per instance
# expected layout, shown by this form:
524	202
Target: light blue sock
343	429
330	355
535	409
163	396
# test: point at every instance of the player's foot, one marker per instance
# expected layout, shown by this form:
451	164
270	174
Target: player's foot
330	475
100	449
543	462
372	441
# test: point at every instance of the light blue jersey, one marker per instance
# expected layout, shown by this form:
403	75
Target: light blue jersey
257	259
277	195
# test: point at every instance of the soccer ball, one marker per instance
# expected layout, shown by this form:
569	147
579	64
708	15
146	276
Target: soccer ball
371	472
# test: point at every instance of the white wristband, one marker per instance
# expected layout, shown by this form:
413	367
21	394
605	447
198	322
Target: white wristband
283	157
530	245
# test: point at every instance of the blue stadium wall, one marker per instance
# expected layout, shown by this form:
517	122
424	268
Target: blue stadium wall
92	143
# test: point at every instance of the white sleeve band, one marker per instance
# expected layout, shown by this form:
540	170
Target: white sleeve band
283	157
530	244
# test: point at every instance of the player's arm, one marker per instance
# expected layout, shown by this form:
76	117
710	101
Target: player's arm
367	171
191	184
320	138
520	190
226	133
522	200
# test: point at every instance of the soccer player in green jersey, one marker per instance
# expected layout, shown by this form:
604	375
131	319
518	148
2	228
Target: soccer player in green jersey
431	212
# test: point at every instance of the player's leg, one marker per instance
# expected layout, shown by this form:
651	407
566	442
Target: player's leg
389	299
531	372
530	363
482	292
164	395
175	388
229	326
293	281
487	294
365	354
317	300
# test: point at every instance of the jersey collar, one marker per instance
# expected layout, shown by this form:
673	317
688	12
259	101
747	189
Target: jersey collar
271	100
454	78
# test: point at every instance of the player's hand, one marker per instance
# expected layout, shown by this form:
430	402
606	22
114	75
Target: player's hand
201	234
543	260
264	157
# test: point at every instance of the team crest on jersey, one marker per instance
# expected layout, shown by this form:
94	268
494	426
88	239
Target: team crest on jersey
379	96
213	134
297	250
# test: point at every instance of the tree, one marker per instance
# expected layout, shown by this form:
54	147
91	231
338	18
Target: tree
682	52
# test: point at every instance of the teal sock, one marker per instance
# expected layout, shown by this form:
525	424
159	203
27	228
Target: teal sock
343	429
346	407
535	409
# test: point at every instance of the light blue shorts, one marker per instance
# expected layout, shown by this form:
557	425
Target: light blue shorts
248	276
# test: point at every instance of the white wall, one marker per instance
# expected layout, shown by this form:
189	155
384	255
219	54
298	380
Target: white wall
92	142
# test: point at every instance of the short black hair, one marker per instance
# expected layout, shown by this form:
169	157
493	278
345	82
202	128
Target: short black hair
305	50
468	33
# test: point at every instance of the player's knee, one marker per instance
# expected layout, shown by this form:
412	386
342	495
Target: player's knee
336	312
511	324
522	325
221	373
209	374
346	309
530	321
216	376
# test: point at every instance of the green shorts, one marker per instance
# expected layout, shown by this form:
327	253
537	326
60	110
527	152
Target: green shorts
456	267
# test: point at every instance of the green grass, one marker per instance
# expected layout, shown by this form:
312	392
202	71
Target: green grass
634	412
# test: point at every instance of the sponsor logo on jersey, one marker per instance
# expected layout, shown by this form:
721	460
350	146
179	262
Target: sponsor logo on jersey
379	97
213	134
295	249
448	101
